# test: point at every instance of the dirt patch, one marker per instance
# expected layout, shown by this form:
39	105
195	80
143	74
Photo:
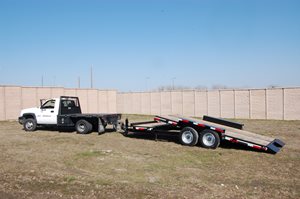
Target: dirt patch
49	164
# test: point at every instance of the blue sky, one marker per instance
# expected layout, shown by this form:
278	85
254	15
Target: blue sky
137	44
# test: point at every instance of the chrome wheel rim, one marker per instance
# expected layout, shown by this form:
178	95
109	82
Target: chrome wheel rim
209	139
187	137
29	125
81	127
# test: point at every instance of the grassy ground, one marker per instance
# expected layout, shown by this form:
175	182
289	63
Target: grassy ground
48	164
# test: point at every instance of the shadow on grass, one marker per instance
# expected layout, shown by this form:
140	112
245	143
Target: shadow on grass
68	129
174	138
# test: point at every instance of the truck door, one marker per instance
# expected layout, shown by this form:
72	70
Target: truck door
48	112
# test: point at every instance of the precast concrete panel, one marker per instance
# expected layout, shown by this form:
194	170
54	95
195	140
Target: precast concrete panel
102	101
82	94
136	103
155	103
112	101
56	92
189	103
242	104
70	92
166	106
146	103
120	103
177	102
214	103
92	101
274	104
200	103
12	102
29	97
43	93
292	104
258	104
227	103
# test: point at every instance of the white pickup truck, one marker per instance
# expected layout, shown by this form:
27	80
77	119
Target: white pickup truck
65	111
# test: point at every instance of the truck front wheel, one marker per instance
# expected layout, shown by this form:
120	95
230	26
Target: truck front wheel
29	124
83	127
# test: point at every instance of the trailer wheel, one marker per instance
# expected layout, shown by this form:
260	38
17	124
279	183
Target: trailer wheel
83	127
209	139
188	136
29	124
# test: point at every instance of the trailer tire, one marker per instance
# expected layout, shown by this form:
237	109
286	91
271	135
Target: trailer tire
83	127
188	136
30	124
209	139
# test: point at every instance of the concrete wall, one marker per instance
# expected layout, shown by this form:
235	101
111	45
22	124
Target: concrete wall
15	98
277	103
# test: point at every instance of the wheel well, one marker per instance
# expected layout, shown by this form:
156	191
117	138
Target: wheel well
93	121
27	116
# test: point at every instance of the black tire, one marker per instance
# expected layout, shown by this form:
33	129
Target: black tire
188	136
83	127
209	139
30	124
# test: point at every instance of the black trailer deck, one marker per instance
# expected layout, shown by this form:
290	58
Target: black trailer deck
226	130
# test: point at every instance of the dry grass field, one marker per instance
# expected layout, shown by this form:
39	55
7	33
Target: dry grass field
52	164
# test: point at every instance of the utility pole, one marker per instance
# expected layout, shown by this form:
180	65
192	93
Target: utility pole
92	76
54	80
147	78
78	81
173	82
42	81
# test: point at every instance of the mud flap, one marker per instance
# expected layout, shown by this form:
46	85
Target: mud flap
101	128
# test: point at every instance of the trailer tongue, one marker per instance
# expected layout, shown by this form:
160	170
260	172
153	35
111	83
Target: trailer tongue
209	132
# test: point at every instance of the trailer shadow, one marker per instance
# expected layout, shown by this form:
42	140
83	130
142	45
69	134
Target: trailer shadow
174	138
228	145
151	136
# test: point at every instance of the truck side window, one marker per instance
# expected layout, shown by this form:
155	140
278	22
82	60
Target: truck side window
49	104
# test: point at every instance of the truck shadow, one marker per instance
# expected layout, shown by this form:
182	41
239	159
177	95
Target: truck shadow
174	138
69	129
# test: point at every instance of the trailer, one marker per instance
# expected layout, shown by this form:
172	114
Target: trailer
209	132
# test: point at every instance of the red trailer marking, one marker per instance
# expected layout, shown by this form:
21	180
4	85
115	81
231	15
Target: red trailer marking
201	125
220	130
140	128
157	119
173	123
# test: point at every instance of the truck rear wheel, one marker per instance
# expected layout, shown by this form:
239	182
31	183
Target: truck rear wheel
29	124
188	136
83	127
209	139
